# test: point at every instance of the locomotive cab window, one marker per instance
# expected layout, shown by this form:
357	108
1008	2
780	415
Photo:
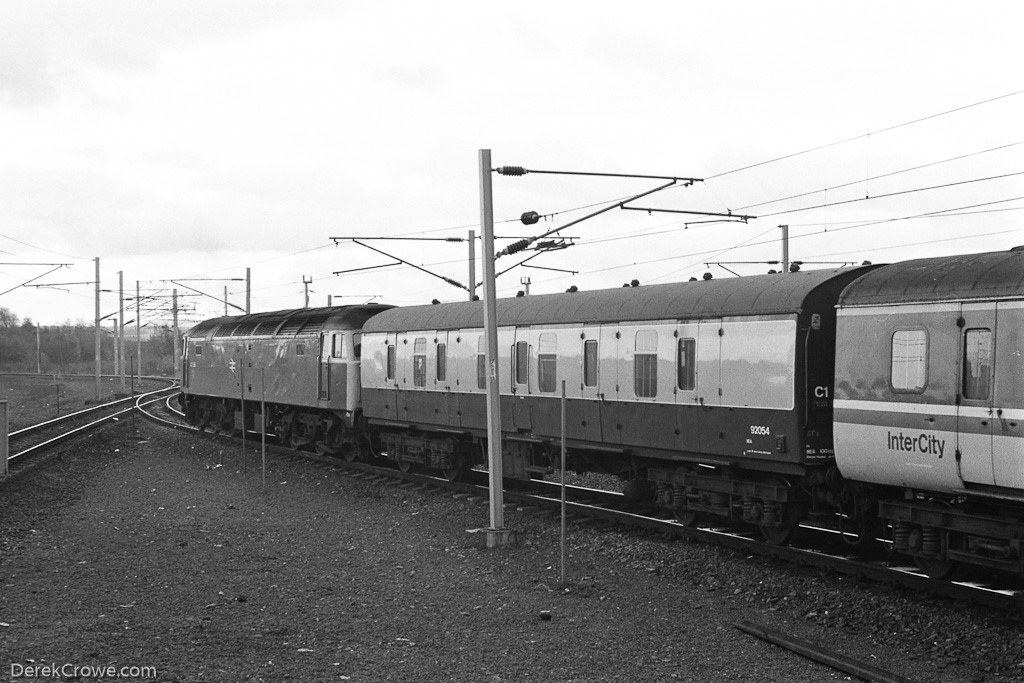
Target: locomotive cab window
199	349
977	365
909	367
357	345
686	354
547	362
337	345
300	349
645	364
590	363
419	362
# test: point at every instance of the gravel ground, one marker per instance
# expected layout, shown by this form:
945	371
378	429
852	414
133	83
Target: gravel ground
134	548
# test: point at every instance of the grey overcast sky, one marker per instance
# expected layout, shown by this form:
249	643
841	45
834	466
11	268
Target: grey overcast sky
189	140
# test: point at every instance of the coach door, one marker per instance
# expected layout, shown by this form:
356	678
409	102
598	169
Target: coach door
522	387
584	421
688	409
611	346
326	349
976	412
1008	421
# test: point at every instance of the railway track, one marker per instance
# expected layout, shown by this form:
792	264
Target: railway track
595	505
28	447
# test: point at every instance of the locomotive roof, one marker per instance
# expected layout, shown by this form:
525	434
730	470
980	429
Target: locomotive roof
755	295
969	276
290	322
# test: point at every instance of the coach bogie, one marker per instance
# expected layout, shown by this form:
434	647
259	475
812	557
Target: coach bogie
772	504
940	534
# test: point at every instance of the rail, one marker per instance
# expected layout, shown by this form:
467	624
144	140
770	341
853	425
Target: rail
18	445
596	504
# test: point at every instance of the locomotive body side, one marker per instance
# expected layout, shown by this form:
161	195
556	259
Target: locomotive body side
930	404
303	363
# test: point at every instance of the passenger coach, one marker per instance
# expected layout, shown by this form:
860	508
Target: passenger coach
716	393
930	403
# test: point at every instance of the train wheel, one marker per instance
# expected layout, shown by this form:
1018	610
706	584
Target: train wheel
686	517
219	417
935	569
455	472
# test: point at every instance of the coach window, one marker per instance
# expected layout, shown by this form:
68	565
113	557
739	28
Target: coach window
522	363
645	364
977	366
419	362
481	363
442	362
909	367
391	362
547	363
590	363
687	364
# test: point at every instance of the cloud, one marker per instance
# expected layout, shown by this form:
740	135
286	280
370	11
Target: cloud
44	44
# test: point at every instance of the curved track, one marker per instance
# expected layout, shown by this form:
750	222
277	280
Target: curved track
587	504
29	446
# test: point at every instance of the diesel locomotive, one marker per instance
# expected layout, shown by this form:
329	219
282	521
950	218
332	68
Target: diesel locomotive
877	399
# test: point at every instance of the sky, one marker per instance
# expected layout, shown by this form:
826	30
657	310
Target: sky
184	142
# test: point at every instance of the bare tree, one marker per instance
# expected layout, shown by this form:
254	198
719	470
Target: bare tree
8	318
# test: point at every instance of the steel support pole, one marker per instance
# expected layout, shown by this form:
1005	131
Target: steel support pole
785	248
248	291
98	330
138	330
177	336
562	487
120	329
497	534
472	264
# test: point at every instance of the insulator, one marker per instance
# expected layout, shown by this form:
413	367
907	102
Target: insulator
529	217
511	170
517	246
455	283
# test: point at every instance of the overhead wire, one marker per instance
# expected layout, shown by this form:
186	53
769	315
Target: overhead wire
878	177
865	135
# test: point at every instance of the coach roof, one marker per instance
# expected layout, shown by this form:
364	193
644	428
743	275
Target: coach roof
947	278
756	295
